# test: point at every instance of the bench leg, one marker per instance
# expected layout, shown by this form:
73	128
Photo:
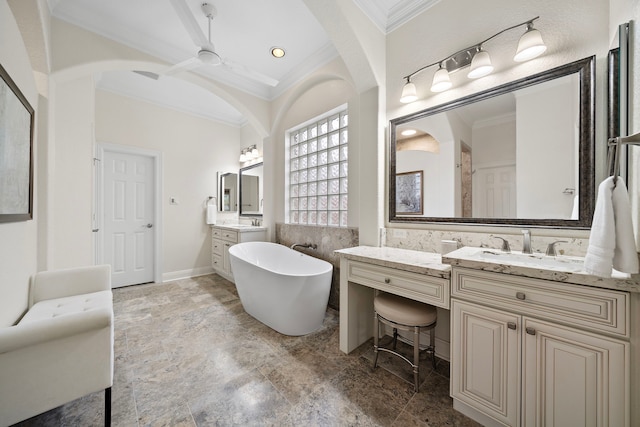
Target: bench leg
107	407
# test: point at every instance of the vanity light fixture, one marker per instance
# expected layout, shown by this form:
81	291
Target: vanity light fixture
249	153
530	46
408	132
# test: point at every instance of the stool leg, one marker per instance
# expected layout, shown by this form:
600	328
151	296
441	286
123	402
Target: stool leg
416	356
376	333
432	345
395	337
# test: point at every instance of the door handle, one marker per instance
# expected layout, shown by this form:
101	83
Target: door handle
148	225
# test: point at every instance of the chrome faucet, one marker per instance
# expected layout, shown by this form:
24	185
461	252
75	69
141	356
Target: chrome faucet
255	222
551	248
526	242
505	244
305	245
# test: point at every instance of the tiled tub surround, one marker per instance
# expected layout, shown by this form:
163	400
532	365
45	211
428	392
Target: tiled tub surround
328	240
417	275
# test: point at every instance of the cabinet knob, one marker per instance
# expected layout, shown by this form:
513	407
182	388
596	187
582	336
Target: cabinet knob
387	280
511	325
227	244
530	330
520	296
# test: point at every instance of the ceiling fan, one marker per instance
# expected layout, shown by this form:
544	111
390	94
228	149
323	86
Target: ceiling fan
207	55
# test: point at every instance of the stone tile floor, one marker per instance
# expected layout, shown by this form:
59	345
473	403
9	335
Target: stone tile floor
187	354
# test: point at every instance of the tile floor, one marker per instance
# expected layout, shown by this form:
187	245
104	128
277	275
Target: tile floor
186	354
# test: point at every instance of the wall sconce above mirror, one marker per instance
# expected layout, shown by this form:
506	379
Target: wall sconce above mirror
518	154
477	59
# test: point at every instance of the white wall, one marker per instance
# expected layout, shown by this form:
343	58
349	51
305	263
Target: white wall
18	240
193	150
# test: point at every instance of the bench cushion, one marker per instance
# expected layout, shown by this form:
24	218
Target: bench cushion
48	309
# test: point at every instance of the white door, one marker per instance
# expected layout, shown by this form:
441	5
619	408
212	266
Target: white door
128	215
495	192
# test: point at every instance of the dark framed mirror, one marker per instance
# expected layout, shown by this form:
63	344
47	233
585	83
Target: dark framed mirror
251	190
520	154
228	197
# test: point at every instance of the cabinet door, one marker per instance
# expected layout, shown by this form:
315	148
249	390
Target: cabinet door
226	264
573	378
485	360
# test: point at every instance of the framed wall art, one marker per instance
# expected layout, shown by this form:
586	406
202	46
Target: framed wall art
16	152
409	193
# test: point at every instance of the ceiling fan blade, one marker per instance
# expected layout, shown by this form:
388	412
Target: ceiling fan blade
186	65
189	22
249	73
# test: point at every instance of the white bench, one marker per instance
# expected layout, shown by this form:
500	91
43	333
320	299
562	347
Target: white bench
62	348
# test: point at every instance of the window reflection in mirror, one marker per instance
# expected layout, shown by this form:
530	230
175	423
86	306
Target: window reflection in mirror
518	154
251	190
228	197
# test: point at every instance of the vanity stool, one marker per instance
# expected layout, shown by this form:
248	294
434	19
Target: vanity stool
407	315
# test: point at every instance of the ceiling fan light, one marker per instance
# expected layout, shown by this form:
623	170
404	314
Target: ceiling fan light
480	65
209	57
409	93
441	81
530	45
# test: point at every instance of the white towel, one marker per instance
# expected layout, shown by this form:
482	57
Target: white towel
611	242
212	210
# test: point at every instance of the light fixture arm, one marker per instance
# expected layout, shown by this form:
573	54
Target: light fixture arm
477	47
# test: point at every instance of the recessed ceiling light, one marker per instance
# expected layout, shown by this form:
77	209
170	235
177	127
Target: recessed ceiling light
277	52
408	132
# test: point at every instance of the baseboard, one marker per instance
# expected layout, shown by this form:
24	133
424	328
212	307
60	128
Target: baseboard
185	274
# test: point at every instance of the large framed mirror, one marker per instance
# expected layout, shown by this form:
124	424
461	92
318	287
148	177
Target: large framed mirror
251	190
228	198
520	154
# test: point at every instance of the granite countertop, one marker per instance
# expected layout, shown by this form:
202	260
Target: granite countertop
240	227
467	257
403	259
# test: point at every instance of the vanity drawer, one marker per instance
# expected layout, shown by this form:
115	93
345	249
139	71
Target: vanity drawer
228	235
591	308
217	247
216	261
419	287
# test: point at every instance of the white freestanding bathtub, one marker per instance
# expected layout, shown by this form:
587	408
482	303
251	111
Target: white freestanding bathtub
283	288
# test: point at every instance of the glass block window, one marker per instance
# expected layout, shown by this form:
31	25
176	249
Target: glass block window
318	167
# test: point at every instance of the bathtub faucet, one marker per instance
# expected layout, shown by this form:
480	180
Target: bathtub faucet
305	245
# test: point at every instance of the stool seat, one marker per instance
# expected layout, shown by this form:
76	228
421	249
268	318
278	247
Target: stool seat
404	311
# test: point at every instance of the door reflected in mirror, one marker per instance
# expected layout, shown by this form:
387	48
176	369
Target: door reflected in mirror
518	154
228	192
251	190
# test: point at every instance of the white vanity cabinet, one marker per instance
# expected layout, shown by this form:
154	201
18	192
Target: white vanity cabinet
531	352
223	237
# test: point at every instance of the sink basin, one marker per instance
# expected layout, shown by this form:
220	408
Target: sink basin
559	263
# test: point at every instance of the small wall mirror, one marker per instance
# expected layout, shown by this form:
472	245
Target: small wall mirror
228	192
251	190
518	154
